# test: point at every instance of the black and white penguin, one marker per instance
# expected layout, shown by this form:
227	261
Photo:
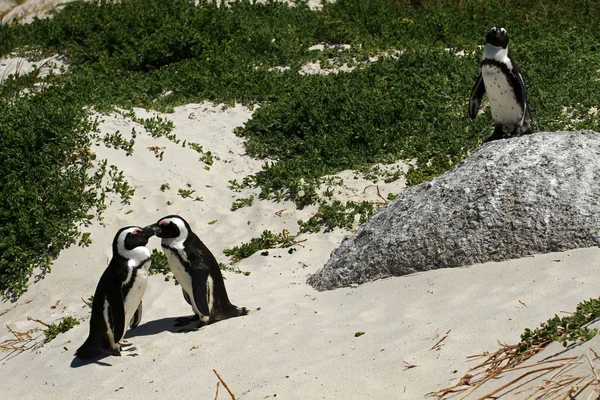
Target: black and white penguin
501	79
118	297
196	270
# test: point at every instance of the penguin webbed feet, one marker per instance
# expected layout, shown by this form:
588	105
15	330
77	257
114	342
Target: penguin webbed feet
114	351
182	321
186	330
129	349
498	133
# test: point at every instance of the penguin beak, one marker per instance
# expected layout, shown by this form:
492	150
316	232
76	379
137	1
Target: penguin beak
148	233
154	228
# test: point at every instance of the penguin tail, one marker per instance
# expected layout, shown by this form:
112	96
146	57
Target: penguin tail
88	350
242	311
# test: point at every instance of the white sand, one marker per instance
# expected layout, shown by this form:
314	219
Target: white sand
301	344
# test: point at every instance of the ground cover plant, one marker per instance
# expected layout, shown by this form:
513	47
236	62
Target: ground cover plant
410	105
569	330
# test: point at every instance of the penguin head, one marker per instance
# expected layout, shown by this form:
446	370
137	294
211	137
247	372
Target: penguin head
497	37
171	227
128	240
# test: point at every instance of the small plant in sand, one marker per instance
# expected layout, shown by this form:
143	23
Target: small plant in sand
205	156
158	151
117	141
119	185
186	193
164	186
243	202
338	215
160	264
267	240
233	268
236	186
53	330
159	127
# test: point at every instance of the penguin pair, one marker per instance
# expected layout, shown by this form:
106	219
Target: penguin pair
118	298
503	82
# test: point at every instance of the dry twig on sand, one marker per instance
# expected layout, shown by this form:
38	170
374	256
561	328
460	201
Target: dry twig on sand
20	341
217	392
224	385
382	202
560	385
437	344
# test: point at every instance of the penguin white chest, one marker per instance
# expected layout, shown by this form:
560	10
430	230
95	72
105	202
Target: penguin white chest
185	280
139	282
503	103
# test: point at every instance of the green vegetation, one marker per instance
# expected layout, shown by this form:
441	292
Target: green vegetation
234	269
205	156
187	193
267	240
45	190
160	264
563	329
242	202
53	330
117	141
337	215
411	104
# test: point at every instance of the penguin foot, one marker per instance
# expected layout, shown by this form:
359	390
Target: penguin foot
115	352
186	330
498	134
182	321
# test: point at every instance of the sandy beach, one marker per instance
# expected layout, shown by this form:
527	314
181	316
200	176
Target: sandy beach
297	343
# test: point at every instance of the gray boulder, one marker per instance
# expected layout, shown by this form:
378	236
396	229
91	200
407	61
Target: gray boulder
511	198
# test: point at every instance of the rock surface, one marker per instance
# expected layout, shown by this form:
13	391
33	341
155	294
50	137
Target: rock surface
511	198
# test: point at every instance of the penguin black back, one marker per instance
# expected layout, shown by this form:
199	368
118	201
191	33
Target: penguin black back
196	269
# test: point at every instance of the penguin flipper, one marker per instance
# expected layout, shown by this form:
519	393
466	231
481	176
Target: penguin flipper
137	317
200	273
476	96
117	310
186	297
527	124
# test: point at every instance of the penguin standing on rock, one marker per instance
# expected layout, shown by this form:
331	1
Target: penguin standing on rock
118	297
196	270
501	79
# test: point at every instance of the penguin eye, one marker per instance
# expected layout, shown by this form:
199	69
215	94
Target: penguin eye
163	223
136	231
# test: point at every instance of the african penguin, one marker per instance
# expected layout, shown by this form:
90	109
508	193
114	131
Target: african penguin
197	270
118	297
501	79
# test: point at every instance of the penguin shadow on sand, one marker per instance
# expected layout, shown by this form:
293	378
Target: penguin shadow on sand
127	350
169	324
